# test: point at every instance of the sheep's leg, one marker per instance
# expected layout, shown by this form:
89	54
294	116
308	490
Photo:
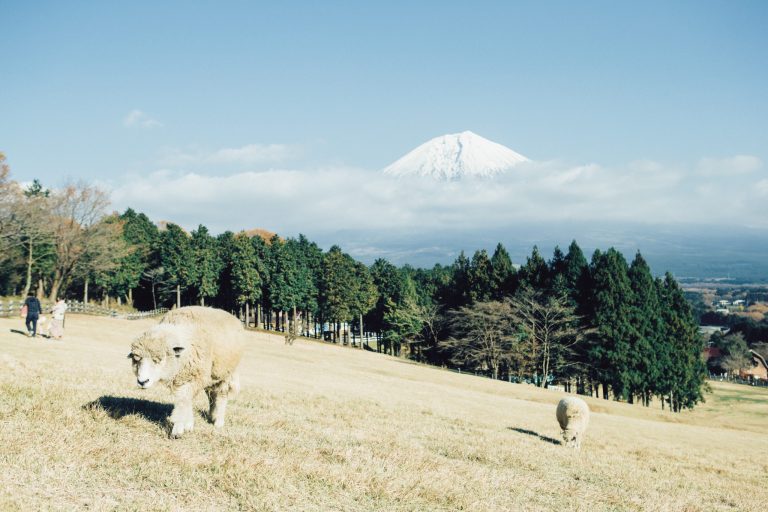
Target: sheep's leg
234	384
217	397
182	417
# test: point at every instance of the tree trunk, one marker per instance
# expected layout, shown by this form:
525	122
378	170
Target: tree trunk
258	314
54	286
247	314
202	300
85	290
154	298
605	391
361	331
30	260
130	297
178	295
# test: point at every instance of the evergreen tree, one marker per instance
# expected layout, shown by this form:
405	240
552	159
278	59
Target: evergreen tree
576	275
226	297
644	343
557	274
480	277
364	296
503	273
310	258
207	264
686	371
177	258
337	290
456	291
402	322
435	285
535	273
142	238
611	302
244	271
283	286
389	284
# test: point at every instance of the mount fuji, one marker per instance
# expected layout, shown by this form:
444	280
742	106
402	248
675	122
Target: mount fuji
455	156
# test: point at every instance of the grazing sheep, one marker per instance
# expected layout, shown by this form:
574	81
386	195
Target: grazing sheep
191	349
573	417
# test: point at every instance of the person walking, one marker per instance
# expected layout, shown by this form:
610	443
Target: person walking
33	313
57	320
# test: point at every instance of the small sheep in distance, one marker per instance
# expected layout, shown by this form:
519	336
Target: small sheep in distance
573	417
191	349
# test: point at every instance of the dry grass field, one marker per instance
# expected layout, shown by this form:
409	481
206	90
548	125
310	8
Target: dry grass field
325	428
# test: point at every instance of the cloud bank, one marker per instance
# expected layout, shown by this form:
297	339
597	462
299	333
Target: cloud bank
719	192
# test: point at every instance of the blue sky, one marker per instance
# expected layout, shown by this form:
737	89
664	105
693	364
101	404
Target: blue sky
174	105
360	83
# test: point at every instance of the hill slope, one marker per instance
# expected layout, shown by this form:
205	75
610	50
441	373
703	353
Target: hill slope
320	427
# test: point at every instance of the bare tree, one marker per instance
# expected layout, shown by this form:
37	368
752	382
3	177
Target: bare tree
33	210
10	195
735	353
484	336
84	241
429	315
550	330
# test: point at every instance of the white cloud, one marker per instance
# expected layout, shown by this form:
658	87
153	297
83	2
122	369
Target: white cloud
732	166
139	119
322	200
761	187
246	155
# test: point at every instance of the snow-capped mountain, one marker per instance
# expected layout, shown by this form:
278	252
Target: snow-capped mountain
454	156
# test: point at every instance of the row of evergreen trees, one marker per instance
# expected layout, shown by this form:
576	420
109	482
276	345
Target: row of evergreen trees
642	337
637	336
622	333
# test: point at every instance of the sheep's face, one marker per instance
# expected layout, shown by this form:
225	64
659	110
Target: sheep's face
157	355
571	438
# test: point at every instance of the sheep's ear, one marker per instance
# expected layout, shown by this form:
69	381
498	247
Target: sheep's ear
178	351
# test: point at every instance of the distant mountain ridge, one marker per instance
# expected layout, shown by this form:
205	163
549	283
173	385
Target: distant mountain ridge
455	156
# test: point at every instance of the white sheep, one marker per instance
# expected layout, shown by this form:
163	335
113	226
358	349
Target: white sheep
191	349
573	417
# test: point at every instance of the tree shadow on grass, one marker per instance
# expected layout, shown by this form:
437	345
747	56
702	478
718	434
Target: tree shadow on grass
535	434
118	407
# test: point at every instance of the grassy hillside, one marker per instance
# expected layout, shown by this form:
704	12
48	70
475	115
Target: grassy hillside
319	427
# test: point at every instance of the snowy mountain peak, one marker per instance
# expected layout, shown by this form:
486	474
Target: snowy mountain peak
454	156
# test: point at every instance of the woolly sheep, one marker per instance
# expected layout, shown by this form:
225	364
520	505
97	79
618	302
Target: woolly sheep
573	417
191	349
